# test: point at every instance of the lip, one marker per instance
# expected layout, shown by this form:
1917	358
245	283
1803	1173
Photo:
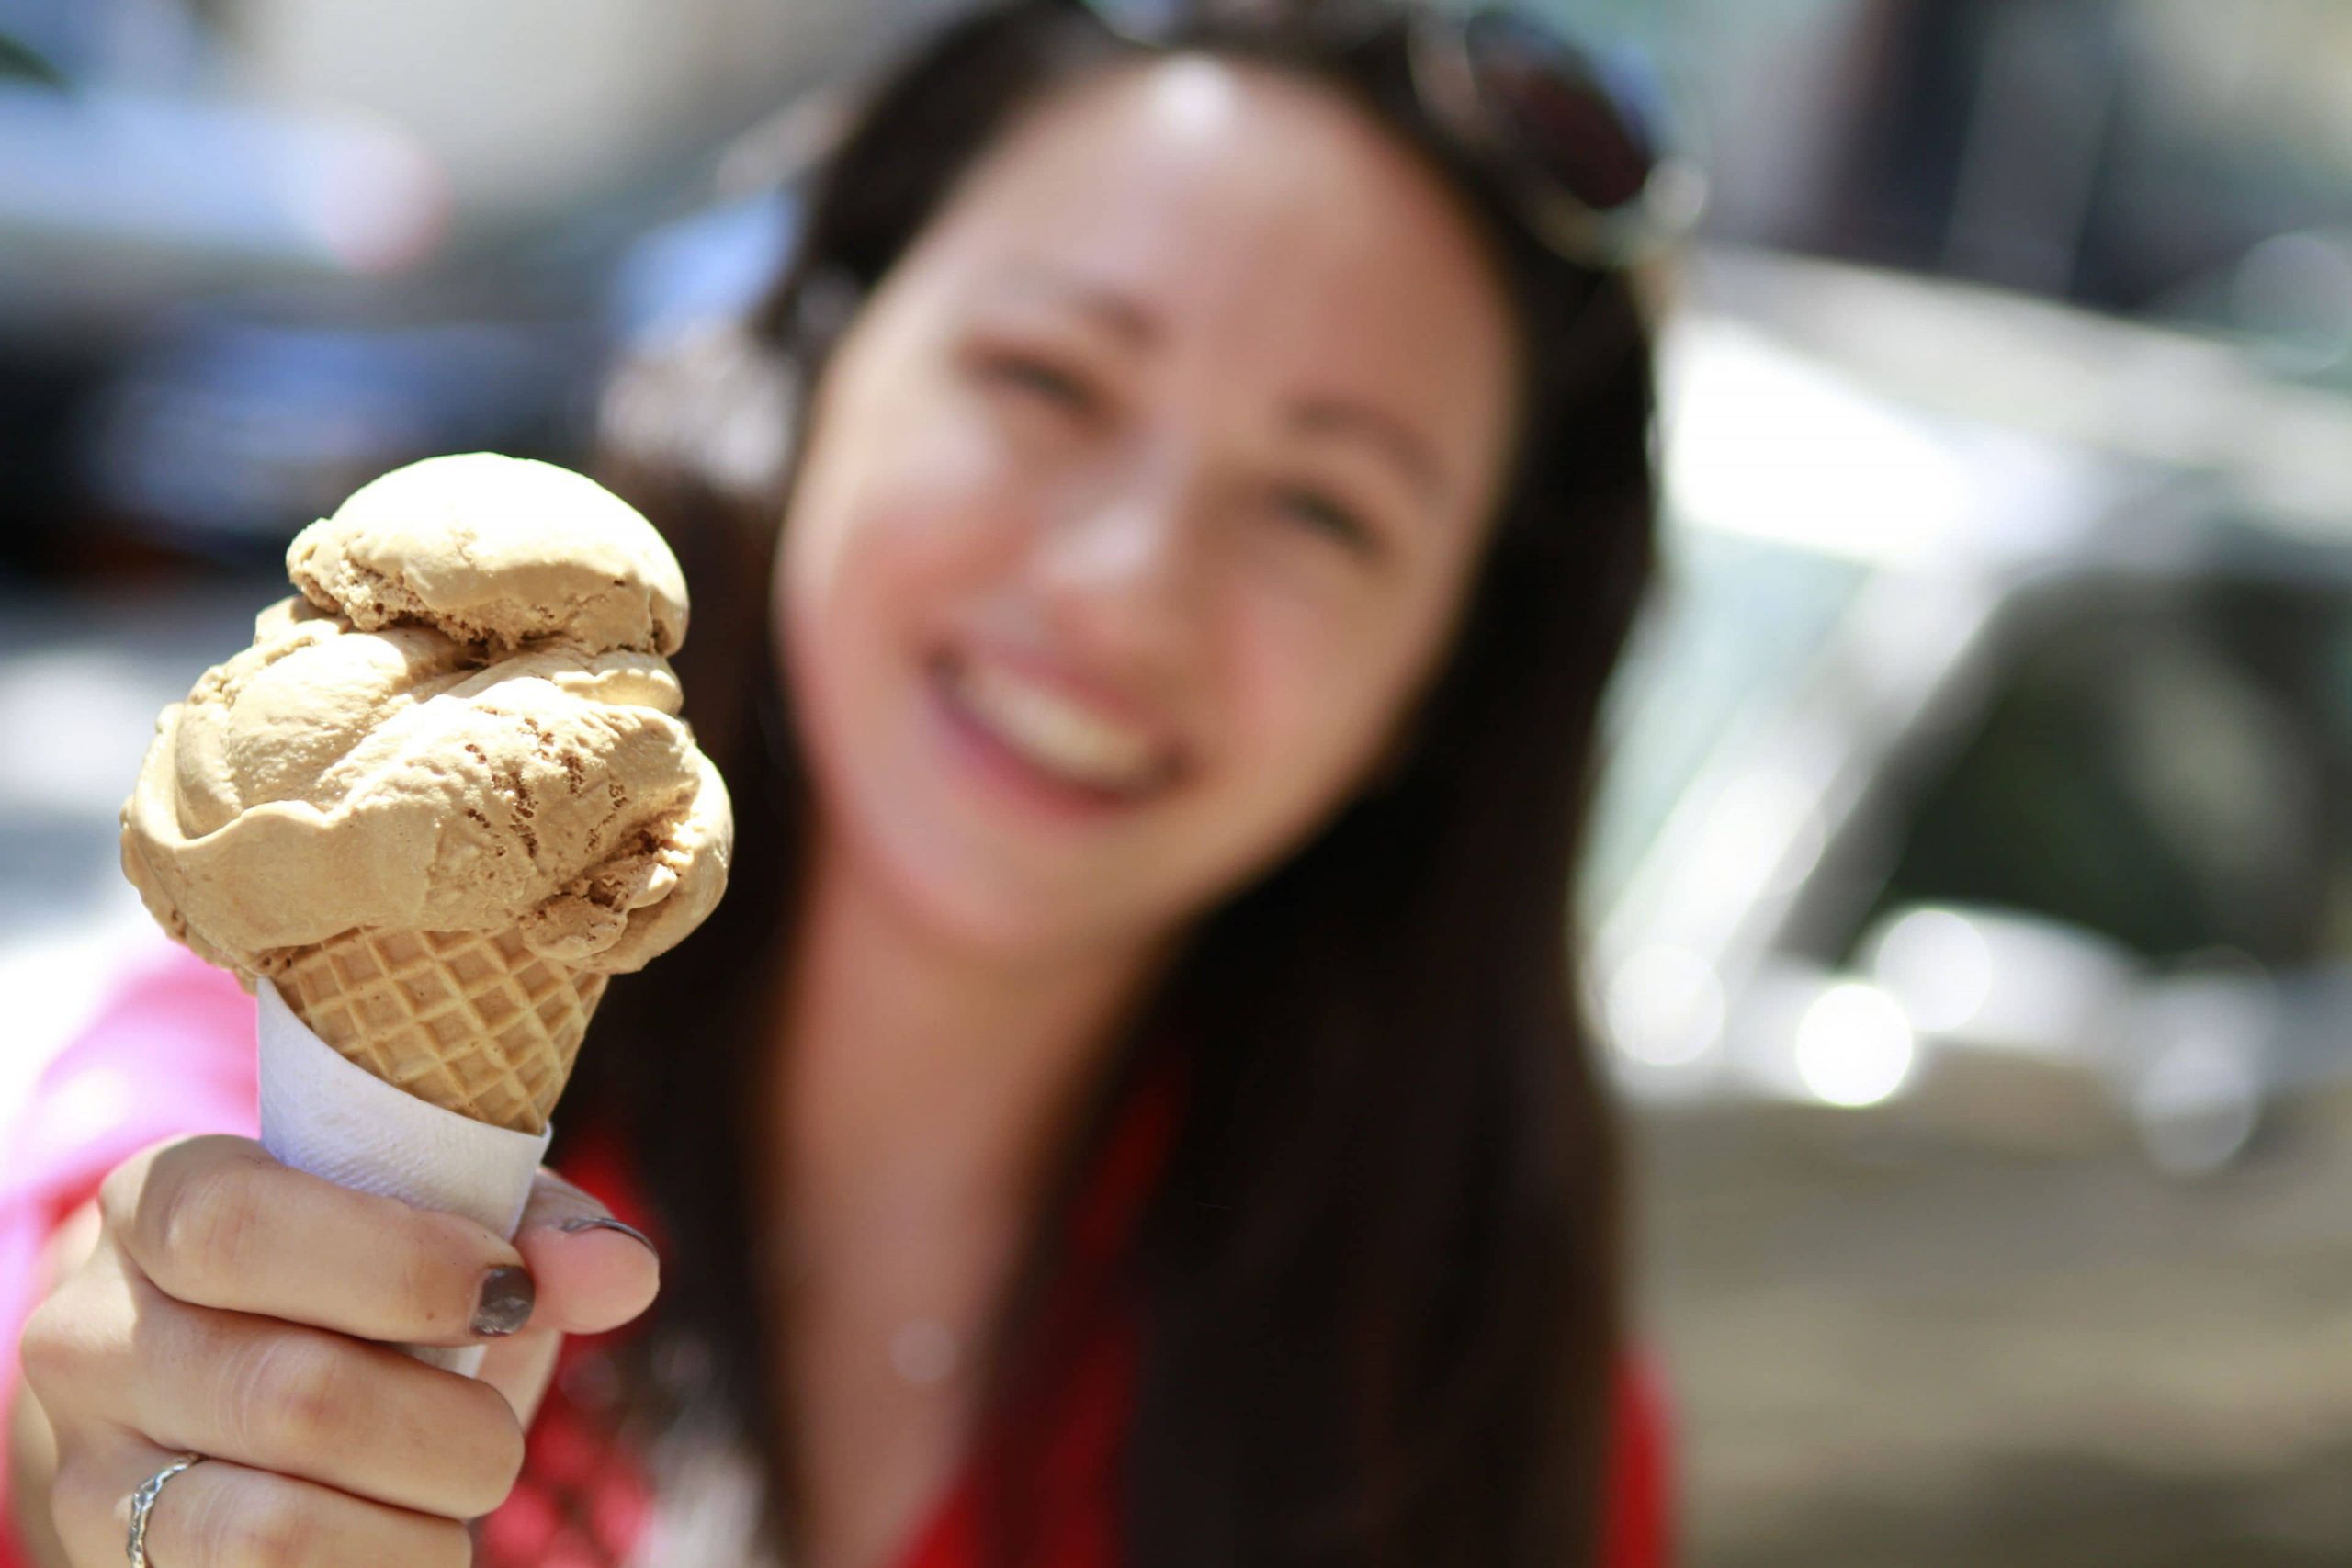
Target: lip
1006	772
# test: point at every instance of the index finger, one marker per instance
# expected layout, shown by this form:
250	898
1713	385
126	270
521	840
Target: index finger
216	1222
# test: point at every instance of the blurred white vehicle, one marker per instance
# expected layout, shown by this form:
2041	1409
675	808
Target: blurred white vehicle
1988	752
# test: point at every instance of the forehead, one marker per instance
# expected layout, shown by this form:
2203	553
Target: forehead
1250	207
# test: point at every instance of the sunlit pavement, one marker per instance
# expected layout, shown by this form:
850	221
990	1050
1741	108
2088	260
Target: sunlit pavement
82	678
1901	1354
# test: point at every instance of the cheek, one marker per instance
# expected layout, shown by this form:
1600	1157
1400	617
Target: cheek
883	538
880	544
1310	696
859	621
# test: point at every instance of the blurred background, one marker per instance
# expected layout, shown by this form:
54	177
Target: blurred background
1971	908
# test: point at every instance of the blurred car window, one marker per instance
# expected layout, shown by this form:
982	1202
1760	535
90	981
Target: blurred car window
1736	623
2164	763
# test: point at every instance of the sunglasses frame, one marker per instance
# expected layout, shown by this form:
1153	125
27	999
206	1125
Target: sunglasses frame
1445	82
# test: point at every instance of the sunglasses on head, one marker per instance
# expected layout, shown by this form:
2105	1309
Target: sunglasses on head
1570	140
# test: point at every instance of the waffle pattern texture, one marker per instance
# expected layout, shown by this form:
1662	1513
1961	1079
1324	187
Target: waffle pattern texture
472	1021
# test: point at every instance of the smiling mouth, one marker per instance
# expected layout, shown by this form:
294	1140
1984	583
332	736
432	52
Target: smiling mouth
1065	741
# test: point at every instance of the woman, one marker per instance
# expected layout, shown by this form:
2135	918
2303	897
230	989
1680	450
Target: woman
1130	1107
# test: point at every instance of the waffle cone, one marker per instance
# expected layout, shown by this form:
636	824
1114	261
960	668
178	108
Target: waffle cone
472	1021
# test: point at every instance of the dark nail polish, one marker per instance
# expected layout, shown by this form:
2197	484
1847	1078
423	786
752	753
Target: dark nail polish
504	1305
589	1222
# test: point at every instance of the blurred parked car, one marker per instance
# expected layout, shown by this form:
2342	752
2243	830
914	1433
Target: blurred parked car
1996	771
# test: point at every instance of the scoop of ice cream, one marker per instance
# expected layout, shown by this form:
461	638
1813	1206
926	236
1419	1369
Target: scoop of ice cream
443	771
495	551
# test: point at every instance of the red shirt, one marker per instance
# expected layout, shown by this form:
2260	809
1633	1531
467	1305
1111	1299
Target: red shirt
172	1053
1078	1478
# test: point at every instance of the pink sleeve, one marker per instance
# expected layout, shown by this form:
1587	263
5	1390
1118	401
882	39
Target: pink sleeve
171	1052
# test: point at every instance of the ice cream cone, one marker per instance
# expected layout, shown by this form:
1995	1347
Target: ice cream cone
472	1021
448	790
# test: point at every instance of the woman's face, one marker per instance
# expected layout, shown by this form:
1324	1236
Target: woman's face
1139	502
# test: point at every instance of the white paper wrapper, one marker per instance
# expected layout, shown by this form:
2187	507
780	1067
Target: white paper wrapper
324	1115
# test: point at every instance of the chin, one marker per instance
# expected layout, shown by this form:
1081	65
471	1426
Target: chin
932	881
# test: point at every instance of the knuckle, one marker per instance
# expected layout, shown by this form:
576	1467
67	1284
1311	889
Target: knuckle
163	1164
48	1350
275	1527
484	1454
202	1231
501	1464
299	1394
121	1189
64	1352
76	1334
127	1185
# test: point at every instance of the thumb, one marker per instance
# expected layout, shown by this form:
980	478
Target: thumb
593	1273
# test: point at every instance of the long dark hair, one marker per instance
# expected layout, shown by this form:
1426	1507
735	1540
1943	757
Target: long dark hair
1380	1271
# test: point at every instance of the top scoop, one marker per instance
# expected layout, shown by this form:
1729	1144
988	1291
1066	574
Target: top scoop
466	724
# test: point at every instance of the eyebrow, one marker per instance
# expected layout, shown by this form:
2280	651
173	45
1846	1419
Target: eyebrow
1130	320
1123	316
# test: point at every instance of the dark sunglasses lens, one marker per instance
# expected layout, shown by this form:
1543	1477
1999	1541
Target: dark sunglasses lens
1556	112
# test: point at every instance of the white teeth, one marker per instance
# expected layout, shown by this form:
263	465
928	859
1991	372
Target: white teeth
1057	734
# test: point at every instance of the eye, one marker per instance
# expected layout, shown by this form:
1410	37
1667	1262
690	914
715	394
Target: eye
1045	380
1319	510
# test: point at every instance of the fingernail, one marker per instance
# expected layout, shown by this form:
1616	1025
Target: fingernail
589	1222
504	1305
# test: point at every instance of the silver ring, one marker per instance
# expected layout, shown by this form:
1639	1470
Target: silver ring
143	1500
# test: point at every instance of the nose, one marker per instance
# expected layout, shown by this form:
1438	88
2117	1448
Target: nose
1121	576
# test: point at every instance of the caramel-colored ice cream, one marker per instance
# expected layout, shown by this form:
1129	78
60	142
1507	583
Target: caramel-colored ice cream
465	724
